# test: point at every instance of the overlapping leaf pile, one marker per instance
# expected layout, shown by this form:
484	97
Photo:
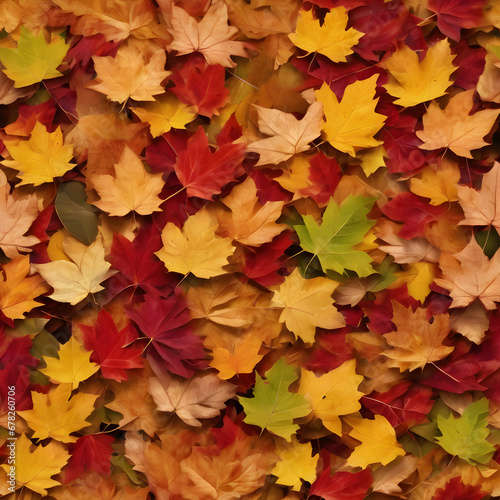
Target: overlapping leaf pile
250	249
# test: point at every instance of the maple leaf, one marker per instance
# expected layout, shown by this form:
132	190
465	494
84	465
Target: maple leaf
108	347
289	135
273	407
378	441
191	399
211	36
466	436
132	188
454	128
41	158
416	342
331	38
470	275
341	229
352	122
333	394
307	304
18	290
204	173
73	281
456	489
56	416
72	366
35	468
34	59
131	74
418	277
295	463
196	249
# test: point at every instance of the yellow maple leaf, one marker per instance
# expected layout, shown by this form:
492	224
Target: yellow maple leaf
212	36
307	304
130	189
73	281
333	394
165	113
295	463
55	415
73	365
330	38
454	128
289	136
378	441
418	277
42	157
352	123
412	81
131	74
35	468
196	249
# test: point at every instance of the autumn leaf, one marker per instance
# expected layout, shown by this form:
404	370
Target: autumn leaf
289	136
41	158
413	81
454	128
418	277
307	304
331	38
34	59
352	122
211	36
196	249
272	406
132	188
55	415
191	399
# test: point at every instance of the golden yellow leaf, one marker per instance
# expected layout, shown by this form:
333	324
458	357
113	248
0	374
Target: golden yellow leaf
418	276
351	123
18	290
130	189
378	441
295	463
165	113
55	415
372	159
289	136
307	304
41	158
195	249
35	468
333	394
295	176
331	39
412	81
73	365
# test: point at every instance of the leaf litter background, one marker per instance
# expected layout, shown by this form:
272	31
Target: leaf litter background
250	249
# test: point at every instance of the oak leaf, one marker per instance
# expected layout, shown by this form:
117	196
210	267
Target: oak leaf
331	38
289	136
413	81
131	74
307	304
55	415
191	399
454	128
132	188
41	158
18	290
352	122
416	341
212	36
196	249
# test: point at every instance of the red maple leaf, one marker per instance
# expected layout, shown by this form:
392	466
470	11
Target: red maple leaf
456	490
202	172
162	154
172	343
108	346
470	62
19	377
325	174
16	350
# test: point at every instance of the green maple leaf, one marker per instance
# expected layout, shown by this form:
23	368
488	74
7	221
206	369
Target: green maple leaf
342	227
273	407
34	59
466	436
